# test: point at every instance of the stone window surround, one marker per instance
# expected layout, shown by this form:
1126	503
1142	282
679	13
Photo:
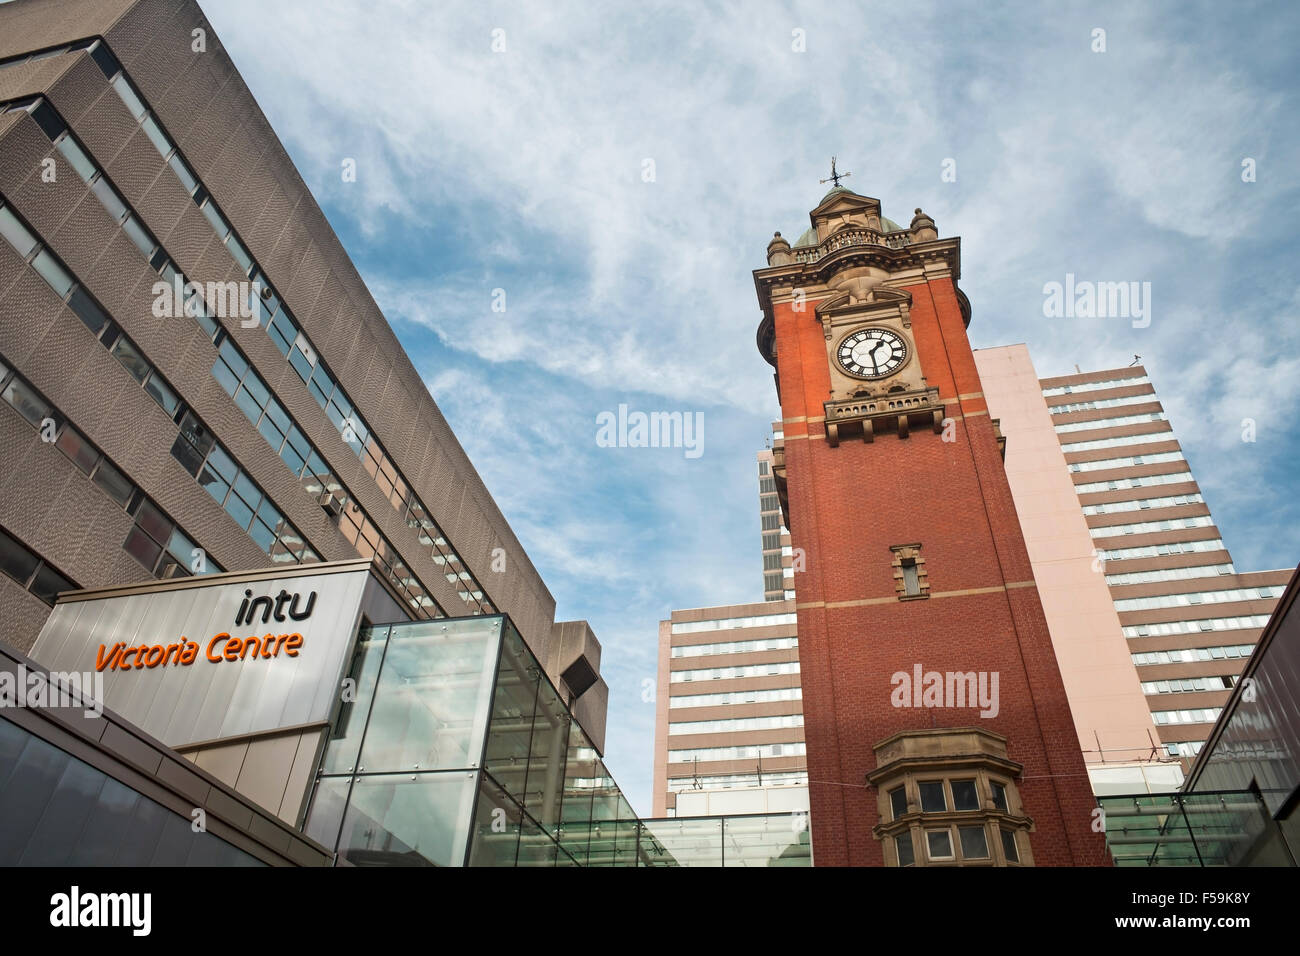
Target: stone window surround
986	766
901	553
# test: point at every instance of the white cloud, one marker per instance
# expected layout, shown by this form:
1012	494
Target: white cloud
522	170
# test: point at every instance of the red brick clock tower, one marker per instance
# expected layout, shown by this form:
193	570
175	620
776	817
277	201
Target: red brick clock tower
937	727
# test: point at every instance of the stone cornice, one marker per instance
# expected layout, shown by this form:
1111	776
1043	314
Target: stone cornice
932	259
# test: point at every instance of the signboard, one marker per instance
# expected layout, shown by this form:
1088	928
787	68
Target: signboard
213	657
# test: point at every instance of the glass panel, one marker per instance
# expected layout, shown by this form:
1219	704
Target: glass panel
1009	848
494	840
232	358
300	364
273	435
247	490
15	560
240	253
282	333
328	805
408	820
939	844
141	547
772	840
545	784
974	843
136	232
513	704
26	402
537	848
117	485
154	521
964	796
275	411
15	233
47	119
349	721
187	455
432	699
690	842
262	536
89	313
606	798
911	581
906	853
156	136
49	583
999	796
248	404
131	359
320	386
219	224
108	197
222	373
161	394
898	802
183	174
182	547
73	444
128	97
291	457
579	770
52	272
261	394
222	464
241	512
932	797
77	158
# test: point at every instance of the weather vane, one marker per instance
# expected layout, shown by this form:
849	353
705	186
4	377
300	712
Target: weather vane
835	177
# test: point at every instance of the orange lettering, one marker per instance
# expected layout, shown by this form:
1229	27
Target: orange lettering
213	657
292	645
150	661
189	652
101	661
231	650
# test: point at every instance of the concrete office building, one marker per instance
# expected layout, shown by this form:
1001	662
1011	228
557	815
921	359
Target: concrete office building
266	415
729	718
1146	608
729	713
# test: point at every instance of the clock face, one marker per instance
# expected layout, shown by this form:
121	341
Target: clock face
872	353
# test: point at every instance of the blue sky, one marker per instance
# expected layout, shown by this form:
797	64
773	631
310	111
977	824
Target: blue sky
522	170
